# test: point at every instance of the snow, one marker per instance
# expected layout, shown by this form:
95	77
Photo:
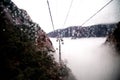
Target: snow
88	58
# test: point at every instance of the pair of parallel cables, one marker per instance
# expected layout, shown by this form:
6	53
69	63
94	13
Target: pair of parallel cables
69	12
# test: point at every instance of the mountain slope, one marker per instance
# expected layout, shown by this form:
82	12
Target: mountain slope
15	16
114	38
25	48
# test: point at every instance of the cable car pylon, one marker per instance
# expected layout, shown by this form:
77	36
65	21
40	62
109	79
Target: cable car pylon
59	38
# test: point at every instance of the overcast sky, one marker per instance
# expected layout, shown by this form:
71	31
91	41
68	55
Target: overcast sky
80	11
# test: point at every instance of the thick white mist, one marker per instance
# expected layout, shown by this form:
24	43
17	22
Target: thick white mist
89	59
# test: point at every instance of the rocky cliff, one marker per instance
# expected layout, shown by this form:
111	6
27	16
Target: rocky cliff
114	38
11	14
25	48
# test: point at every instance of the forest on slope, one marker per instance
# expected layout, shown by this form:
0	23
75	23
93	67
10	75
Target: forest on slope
25	49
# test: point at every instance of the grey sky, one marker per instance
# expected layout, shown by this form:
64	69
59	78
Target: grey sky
80	11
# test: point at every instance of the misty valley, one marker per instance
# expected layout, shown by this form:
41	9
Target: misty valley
89	58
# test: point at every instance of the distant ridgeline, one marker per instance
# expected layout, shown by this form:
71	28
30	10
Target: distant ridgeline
100	30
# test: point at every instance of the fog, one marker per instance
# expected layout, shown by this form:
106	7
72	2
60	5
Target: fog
89	59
